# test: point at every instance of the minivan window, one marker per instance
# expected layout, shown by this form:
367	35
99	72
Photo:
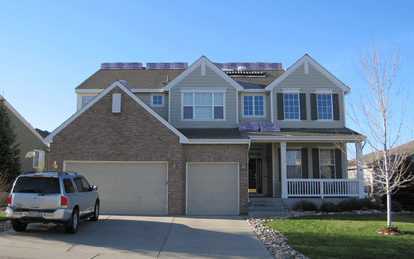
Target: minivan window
46	185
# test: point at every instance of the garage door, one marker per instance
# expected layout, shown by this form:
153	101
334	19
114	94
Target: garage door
127	188
212	189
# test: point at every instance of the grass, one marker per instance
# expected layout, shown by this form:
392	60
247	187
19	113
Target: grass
3	216
348	236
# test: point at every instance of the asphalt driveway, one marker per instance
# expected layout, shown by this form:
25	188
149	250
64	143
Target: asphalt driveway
137	237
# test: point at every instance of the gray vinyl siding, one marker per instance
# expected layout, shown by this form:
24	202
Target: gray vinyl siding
28	142
310	158
210	80
307	84
258	119
162	111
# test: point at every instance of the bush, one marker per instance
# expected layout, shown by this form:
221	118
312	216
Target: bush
359	204
305	206
396	206
328	206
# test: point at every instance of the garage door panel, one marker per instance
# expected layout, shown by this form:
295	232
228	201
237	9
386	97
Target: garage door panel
212	188
127	188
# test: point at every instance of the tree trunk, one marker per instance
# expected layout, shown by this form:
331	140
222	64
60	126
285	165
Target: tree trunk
388	204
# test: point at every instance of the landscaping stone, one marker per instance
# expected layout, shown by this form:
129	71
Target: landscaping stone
276	242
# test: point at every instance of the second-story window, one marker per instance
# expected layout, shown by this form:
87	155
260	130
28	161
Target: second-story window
291	106
86	99
253	105
203	106
157	100
325	110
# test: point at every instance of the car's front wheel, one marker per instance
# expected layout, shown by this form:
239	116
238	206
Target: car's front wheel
73	223
95	212
19	226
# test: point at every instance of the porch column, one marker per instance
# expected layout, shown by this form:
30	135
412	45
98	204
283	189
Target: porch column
360	171
283	168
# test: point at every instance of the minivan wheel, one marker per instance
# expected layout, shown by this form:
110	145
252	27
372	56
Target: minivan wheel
73	223
18	226
95	212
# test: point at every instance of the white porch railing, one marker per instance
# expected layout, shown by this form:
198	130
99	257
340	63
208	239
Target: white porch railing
322	187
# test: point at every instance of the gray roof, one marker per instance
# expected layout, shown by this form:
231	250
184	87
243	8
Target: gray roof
234	133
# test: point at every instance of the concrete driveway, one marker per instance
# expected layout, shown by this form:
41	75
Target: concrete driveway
137	237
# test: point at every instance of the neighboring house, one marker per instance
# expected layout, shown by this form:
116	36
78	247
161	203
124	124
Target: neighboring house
172	139
33	149
372	161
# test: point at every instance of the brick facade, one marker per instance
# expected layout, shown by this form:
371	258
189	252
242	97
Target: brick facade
136	135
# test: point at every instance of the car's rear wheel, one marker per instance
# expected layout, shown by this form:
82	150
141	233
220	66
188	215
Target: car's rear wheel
73	223
19	226
95	212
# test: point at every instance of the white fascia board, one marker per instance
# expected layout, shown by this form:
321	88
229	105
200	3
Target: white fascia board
317	66
27	124
49	139
349	139
219	141
88	90
147	90
198	63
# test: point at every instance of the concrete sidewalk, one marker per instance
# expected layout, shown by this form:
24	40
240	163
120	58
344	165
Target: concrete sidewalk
137	237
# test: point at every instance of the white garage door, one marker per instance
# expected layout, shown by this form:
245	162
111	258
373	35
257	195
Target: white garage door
127	188
212	189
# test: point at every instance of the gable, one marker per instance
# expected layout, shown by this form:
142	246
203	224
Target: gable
308	66
125	93
202	69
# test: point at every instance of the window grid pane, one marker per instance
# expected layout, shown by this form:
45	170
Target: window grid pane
324	106
258	106
291	105
203	106
248	105
157	100
327	162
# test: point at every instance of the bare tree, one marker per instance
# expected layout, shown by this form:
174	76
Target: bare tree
381	115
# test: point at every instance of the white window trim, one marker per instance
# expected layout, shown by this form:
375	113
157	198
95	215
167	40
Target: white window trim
264	105
284	108
296	149
291	90
41	161
323	90
80	96
317	107
203	91
163	99
320	165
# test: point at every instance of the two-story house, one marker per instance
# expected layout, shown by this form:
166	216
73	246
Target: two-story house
170	138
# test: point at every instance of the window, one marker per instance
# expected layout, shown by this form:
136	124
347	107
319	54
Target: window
327	163
39	159
253	105
157	100
69	188
203	106
324	102
86	99
78	183
293	163
291	106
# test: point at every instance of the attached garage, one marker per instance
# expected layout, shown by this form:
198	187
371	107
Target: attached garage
212	189
127	187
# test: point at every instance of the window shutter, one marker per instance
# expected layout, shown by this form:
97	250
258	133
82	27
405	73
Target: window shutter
302	106
314	107
116	103
280	107
338	163
304	154
315	163
280	165
335	107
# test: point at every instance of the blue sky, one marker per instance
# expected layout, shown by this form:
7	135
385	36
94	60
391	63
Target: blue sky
47	48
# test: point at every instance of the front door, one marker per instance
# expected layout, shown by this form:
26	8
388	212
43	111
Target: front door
255	175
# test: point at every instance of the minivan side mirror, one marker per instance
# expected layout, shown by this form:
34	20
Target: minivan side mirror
95	188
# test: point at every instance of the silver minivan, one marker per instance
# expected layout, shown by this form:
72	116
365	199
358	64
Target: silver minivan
52	197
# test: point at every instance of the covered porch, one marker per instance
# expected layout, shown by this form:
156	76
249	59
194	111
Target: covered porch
303	164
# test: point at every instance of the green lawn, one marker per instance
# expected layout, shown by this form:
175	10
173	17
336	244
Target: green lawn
348	236
2	216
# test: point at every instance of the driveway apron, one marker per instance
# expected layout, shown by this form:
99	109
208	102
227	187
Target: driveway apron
137	237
